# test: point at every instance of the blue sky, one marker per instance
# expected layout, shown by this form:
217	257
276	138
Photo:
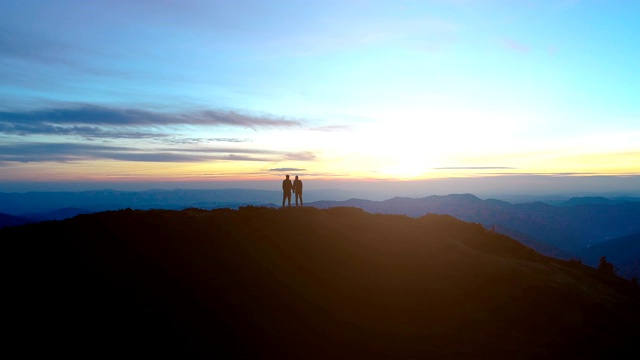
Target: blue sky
222	92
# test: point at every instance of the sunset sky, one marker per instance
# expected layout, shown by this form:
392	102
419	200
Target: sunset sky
163	91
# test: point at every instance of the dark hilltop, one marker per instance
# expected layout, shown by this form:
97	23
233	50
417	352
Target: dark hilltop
302	283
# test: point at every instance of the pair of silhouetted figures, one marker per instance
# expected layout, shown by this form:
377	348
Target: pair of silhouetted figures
287	187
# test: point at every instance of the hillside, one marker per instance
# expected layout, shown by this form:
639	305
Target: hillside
302	283
570	228
569	231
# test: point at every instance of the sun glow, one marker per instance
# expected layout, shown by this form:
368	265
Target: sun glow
403	170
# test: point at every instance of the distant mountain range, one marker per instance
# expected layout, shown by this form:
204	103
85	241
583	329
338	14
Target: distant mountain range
302	283
29	203
583	228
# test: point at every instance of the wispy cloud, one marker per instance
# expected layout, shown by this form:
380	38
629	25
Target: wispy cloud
112	124
26	128
474	168
196	141
301	156
109	116
331	128
92	121
69	152
286	169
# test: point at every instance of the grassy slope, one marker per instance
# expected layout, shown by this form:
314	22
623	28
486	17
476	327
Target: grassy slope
303	282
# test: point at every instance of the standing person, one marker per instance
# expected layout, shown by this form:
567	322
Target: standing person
297	189
286	190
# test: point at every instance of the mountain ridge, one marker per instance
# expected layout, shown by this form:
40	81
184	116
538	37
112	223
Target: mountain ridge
304	283
566	229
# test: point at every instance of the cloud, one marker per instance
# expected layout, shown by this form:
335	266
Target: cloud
217	118
27	128
35	152
331	128
473	168
195	141
116	124
70	152
108	116
286	169
92	121
301	156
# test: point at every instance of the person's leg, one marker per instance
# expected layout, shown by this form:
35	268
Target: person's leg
284	197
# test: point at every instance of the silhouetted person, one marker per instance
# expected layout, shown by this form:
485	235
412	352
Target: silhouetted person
286	190
297	189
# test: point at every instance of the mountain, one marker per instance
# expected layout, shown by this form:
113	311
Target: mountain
540	246
59	214
624	252
11	220
30	203
597	200
293	283
563	228
570	228
568	231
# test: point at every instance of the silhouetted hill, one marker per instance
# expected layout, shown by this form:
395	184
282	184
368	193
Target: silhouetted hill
11	220
569	228
301	283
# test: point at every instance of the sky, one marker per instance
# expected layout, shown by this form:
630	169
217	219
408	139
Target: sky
162	93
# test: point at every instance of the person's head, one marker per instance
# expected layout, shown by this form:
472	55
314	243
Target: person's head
287	176
296	177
